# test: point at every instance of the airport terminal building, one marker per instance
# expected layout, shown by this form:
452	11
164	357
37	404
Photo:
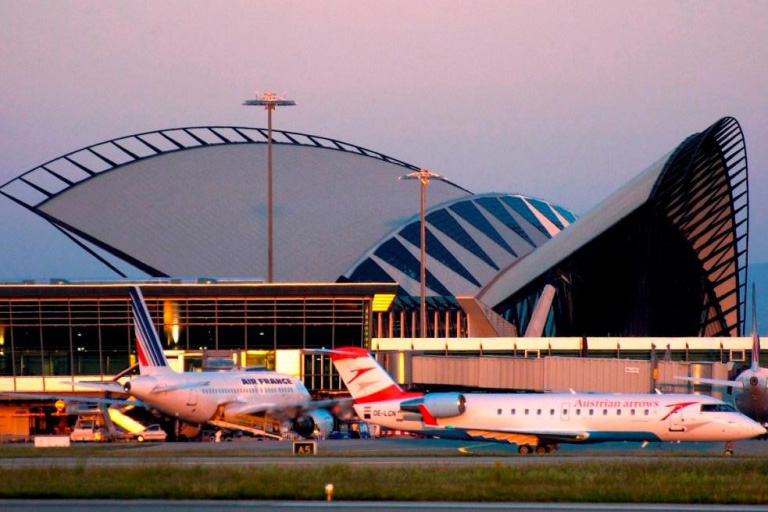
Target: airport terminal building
664	256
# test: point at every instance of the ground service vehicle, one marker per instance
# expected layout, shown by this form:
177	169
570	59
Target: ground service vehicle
89	431
151	433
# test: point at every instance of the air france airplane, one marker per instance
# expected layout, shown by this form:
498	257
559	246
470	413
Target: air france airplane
222	399
219	398
537	422
750	386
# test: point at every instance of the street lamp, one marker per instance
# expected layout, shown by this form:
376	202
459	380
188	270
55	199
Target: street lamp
269	101
423	175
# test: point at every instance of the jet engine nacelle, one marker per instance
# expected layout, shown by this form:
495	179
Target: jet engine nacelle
438	405
319	419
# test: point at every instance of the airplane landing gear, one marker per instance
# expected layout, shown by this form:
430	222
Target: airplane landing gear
728	451
540	449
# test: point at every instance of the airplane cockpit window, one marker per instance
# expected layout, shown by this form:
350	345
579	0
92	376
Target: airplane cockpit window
717	408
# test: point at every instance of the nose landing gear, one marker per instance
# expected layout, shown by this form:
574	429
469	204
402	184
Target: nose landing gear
728	450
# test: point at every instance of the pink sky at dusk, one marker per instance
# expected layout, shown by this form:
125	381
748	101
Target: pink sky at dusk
561	100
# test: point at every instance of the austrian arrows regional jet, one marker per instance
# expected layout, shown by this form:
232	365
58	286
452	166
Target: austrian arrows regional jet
537	422
224	399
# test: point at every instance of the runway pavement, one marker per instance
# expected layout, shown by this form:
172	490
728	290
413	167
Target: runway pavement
399	452
360	506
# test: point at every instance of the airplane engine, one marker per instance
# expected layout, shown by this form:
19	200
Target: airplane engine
319	419
438	405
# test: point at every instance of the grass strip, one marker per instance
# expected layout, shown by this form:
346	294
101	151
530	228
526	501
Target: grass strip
666	481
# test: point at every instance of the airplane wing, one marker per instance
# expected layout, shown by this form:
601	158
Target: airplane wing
714	382
67	398
528	436
289	409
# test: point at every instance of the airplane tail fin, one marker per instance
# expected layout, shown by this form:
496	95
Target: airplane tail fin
148	346
365	379
755	337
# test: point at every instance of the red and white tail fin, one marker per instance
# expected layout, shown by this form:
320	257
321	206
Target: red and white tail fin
364	378
148	346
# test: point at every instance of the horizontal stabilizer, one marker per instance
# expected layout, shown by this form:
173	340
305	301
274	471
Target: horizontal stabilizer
714	382
111	386
74	399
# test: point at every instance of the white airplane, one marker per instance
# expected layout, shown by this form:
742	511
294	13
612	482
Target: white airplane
223	399
537	422
751	385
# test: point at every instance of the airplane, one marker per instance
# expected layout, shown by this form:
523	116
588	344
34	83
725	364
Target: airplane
227	400
751	385
536	422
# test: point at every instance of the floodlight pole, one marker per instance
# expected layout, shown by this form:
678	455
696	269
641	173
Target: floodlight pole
269	100
270	206
423	175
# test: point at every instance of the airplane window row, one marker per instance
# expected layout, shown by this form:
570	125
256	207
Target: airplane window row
632	412
250	391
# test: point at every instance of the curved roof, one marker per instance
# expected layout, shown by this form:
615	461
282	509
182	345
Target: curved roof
192	201
700	190
468	241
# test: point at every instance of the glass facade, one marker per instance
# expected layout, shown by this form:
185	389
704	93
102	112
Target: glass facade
50	336
494	206
520	206
445	222
469	212
437	250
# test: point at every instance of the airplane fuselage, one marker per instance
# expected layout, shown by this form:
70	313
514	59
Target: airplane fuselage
598	417
208	394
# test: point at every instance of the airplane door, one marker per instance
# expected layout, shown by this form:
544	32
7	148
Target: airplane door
565	412
676	422
192	398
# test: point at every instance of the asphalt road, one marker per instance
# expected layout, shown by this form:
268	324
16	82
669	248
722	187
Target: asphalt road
361	506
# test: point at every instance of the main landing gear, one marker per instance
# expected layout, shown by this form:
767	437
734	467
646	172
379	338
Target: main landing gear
728	451
541	449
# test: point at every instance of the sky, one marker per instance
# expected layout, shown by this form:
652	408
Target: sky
562	100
